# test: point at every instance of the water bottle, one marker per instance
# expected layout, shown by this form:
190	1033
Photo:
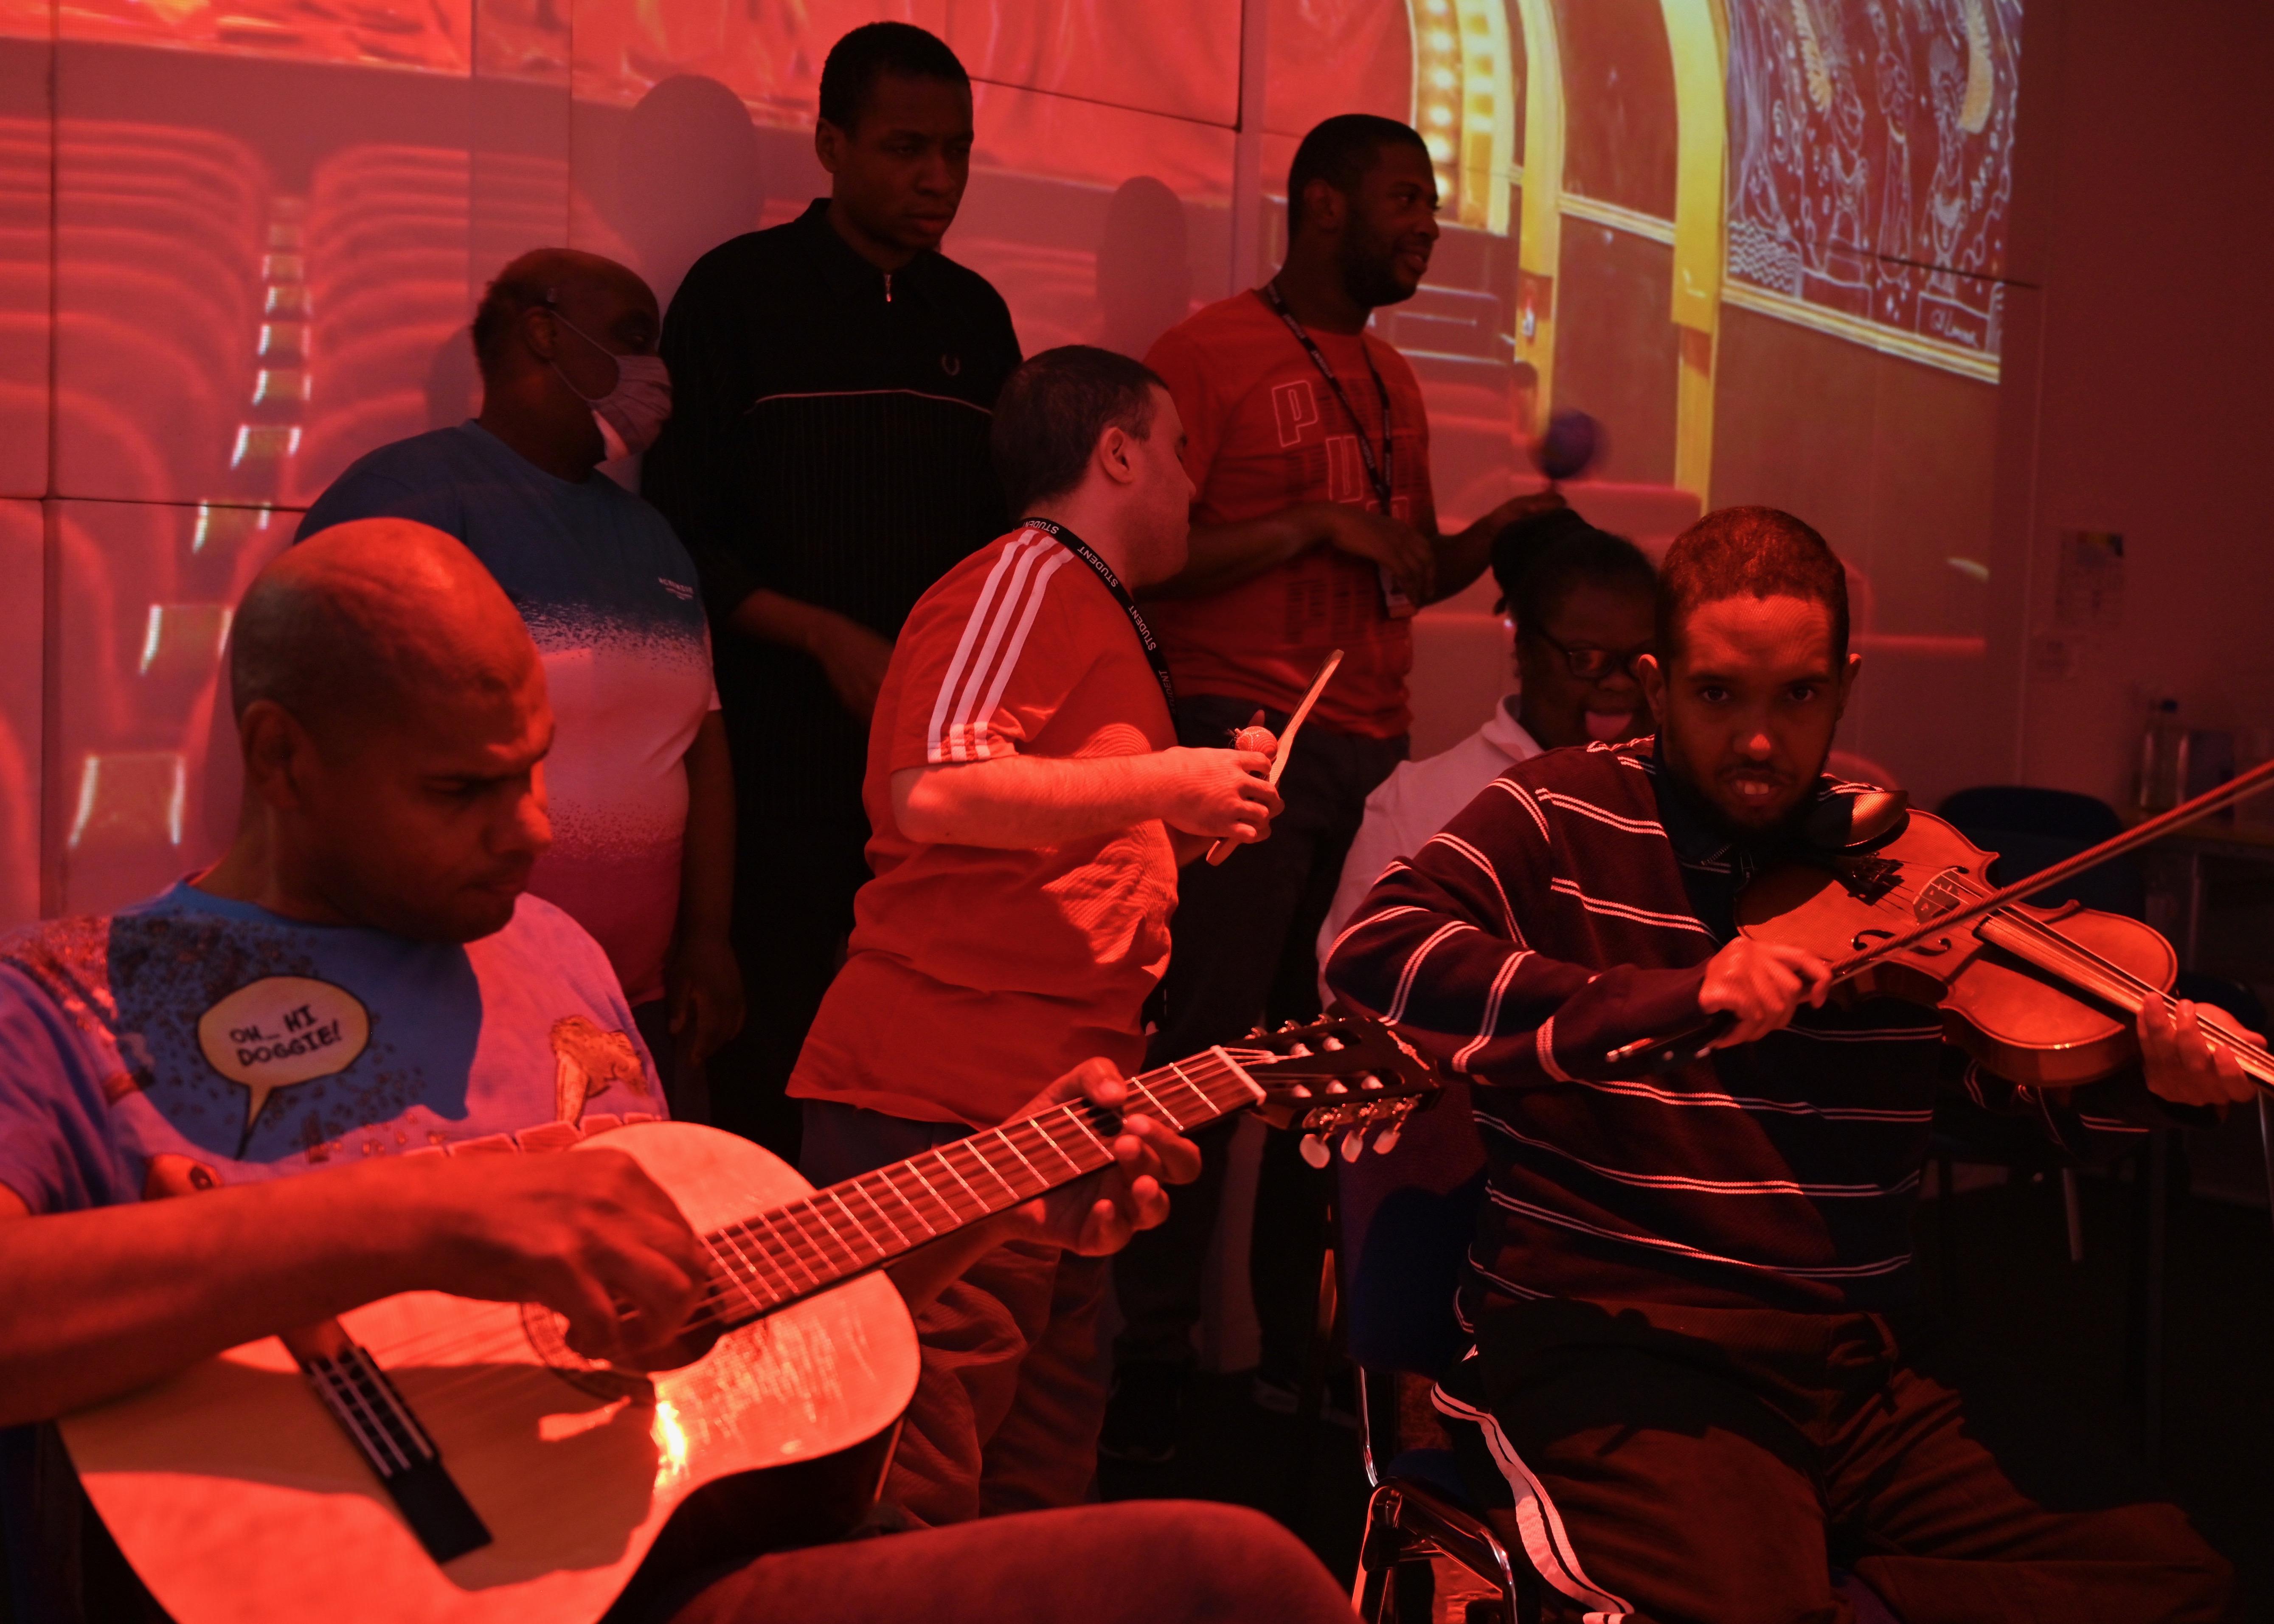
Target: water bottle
2163	757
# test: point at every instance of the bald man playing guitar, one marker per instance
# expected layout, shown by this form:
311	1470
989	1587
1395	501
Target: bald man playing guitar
360	991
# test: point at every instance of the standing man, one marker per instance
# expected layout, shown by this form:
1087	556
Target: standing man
1315	528
1032	807
642	797
1700	1380
827	463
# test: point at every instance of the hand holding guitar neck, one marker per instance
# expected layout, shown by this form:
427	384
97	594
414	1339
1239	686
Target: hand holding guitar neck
1257	738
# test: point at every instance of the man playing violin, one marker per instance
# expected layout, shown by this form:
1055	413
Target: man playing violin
1698	1390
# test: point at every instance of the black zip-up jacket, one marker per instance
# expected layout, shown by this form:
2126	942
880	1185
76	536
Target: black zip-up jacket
829	440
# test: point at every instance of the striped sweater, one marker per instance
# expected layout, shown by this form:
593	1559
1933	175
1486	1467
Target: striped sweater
1571	908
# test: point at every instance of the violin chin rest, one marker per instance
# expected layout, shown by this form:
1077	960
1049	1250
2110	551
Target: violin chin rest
1848	822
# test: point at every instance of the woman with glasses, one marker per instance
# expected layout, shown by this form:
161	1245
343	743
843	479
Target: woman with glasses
1580	602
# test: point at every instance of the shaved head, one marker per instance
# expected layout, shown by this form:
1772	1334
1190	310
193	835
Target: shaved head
393	723
366	625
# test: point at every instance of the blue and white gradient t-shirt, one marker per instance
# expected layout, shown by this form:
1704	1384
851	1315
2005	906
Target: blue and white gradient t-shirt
609	596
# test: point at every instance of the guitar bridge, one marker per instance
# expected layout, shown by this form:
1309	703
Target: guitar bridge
388	1436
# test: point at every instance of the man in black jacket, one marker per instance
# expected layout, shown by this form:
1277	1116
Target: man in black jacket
834	382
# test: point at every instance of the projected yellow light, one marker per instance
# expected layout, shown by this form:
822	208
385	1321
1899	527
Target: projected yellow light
1464	105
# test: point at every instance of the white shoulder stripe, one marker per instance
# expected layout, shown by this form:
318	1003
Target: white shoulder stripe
1491	1022
1397	1009
1588	808
1009	663
975	627
1484	866
1522	800
1620	910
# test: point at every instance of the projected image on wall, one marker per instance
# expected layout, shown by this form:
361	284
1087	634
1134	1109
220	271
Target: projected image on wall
1760	240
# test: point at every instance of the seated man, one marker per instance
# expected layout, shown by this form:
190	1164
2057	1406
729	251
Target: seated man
1697	1385
1580	599
393	721
639	789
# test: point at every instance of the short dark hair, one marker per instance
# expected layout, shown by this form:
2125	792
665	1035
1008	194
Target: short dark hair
1748	553
519	288
1538	558
1340	150
1052	411
850	73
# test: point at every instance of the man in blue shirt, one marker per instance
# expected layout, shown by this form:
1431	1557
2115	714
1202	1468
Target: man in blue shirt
642	797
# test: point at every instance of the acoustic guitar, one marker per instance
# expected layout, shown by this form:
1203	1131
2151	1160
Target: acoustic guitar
429	1458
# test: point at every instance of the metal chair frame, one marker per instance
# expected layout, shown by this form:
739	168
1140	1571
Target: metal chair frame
1406	1520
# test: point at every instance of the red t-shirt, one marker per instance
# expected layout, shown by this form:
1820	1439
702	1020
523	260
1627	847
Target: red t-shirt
1262	432
976	976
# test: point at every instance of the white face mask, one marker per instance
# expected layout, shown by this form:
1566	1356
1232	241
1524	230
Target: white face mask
631	415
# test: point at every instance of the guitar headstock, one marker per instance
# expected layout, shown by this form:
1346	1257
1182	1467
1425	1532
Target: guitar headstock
1345	1075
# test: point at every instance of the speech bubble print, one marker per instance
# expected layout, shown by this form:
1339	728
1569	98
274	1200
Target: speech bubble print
282	1030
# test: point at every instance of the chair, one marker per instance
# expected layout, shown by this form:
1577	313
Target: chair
1406	1220
2031	829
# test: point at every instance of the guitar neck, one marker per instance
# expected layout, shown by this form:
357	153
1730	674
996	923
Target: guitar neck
791	1253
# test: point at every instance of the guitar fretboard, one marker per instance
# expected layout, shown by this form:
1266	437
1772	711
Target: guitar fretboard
793	1251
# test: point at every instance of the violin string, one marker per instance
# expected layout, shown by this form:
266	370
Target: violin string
2137	986
2141	988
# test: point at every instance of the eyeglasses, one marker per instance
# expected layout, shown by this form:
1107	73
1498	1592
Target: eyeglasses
1592	664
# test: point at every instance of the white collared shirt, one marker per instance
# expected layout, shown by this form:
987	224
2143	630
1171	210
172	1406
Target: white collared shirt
1416	801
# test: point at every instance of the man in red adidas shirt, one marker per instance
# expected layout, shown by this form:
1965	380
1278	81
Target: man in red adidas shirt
1315	528
1031	808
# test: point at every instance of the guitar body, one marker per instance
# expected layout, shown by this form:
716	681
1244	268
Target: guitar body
238	1497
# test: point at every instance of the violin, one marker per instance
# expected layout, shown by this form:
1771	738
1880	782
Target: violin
2044	997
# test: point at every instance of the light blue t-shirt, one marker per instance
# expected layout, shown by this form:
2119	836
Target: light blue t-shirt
191	1040
609	596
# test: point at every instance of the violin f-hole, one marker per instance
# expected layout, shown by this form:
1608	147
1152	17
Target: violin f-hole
1863	939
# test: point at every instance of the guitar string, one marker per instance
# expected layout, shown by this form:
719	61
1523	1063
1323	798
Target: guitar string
727	1281
507	1335
783	1285
448	1396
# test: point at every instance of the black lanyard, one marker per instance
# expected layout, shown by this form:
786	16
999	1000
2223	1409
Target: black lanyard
1103	571
1377	469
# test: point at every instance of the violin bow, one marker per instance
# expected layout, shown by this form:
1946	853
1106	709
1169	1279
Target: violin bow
2144	833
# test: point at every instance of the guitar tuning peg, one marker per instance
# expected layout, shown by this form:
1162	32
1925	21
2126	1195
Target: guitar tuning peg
1335	1085
1386	1141
1296	1091
1369	1081
1331	1041
1353	1144
1314	1150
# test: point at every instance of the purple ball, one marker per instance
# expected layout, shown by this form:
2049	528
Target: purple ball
1570	444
